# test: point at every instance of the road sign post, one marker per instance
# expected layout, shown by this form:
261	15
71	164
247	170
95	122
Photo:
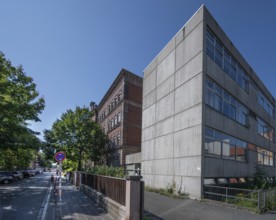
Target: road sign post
60	156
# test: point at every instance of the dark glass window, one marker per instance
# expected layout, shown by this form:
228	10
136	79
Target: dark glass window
227	62
265	157
210	45
265	130
267	106
222	145
219	53
222	101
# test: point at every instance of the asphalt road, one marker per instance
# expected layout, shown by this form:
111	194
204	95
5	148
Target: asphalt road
23	200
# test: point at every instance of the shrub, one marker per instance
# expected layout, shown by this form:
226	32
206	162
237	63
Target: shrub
107	171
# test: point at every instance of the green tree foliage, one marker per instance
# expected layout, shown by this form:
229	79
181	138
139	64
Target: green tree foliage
78	136
19	103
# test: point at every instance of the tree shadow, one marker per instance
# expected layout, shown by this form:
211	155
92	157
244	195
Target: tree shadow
150	216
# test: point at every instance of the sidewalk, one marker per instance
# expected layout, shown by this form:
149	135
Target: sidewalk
74	205
158	207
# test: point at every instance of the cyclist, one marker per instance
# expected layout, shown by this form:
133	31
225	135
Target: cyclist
52	179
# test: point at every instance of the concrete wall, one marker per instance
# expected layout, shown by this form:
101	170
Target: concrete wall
172	112
116	210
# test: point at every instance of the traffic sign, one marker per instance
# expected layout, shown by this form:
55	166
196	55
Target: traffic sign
60	156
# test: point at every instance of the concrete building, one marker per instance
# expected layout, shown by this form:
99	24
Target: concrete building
207	117
120	115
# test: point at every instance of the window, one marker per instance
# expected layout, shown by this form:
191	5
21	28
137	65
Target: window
210	45
267	106
229	107
227	62
217	52
115	120
265	130
233	71
217	102
119	96
118	139
265	157
222	145
222	101
119	117
112	122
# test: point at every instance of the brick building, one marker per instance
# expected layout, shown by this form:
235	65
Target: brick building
120	115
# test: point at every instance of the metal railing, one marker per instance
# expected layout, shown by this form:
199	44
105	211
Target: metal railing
241	197
268	199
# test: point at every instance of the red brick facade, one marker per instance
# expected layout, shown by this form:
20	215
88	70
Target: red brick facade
120	115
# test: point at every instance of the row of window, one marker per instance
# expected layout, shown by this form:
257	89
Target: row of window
226	146
111	106
222	101
216	51
114	121
266	105
115	101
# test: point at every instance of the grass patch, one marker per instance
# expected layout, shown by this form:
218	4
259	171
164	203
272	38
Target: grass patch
171	190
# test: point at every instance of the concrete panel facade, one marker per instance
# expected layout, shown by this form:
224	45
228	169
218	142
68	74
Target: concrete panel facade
172	112
179	109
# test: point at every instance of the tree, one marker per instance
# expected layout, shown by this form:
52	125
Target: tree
78	136
19	103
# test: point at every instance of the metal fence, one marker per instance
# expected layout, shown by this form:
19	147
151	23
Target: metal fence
114	188
268	199
260	200
241	197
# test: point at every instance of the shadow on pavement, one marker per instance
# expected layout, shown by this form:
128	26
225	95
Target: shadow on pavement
150	216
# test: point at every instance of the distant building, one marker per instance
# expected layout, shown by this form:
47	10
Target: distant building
120	115
207	117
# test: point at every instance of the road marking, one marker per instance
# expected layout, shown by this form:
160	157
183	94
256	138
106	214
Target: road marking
44	206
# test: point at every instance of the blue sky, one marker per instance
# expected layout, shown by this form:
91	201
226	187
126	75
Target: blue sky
74	49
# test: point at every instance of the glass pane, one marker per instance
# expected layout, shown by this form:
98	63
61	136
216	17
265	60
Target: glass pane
209	146
226	150
217	148
209	132
209	98
240	154
217	103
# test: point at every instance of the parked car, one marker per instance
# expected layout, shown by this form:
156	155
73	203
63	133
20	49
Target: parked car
32	172
6	177
17	175
25	173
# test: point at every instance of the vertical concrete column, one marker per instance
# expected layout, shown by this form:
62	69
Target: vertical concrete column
133	198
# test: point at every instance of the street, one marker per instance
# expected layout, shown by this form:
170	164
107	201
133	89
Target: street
23	200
